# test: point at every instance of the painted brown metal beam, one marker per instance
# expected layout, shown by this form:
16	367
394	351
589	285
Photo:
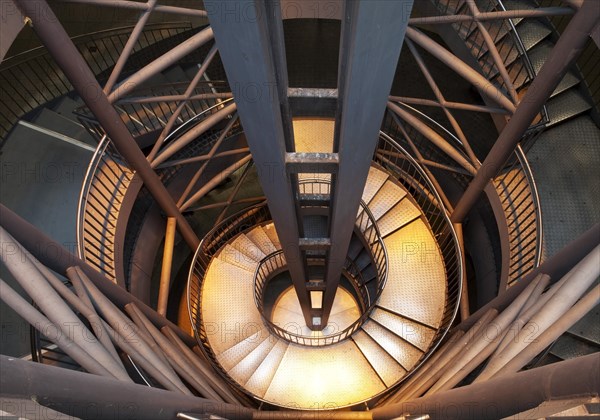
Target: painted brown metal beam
372	37
250	50
83	395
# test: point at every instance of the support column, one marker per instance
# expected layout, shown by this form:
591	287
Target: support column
95	397
248	34
567	50
507	395
57	258
372	37
55	39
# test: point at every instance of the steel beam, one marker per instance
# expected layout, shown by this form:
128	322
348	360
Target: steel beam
372	37
556	267
56	257
88	396
133	5
568	48
507	395
248	47
64	52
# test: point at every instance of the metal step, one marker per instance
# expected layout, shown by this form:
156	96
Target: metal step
404	353
331	376
261	379
414	254
400	215
588	327
340	320
387	197
538	57
385	365
355	247
531	32
56	122
244	370
313	135
228	310
413	332
244	245
260	238
569	347
567	105
232	256
375	180
272	234
238	352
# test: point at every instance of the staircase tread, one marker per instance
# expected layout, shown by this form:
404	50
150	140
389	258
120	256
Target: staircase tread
245	245
272	234
227	307
404	353
335	375
398	216
414	333
260	238
243	371
375	180
385	365
232	256
414	254
569	347
386	198
236	353
567	105
260	380
538	56
532	32
313	135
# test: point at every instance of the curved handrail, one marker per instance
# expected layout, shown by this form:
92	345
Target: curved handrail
100	198
106	170
274	262
519	197
410	174
526	62
43	81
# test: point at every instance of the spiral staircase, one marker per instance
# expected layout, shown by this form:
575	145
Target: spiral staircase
409	269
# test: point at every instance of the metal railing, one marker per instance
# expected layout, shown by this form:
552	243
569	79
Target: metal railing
506	38
142	115
589	60
518	194
107	180
105	184
212	242
32	79
275	262
398	162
